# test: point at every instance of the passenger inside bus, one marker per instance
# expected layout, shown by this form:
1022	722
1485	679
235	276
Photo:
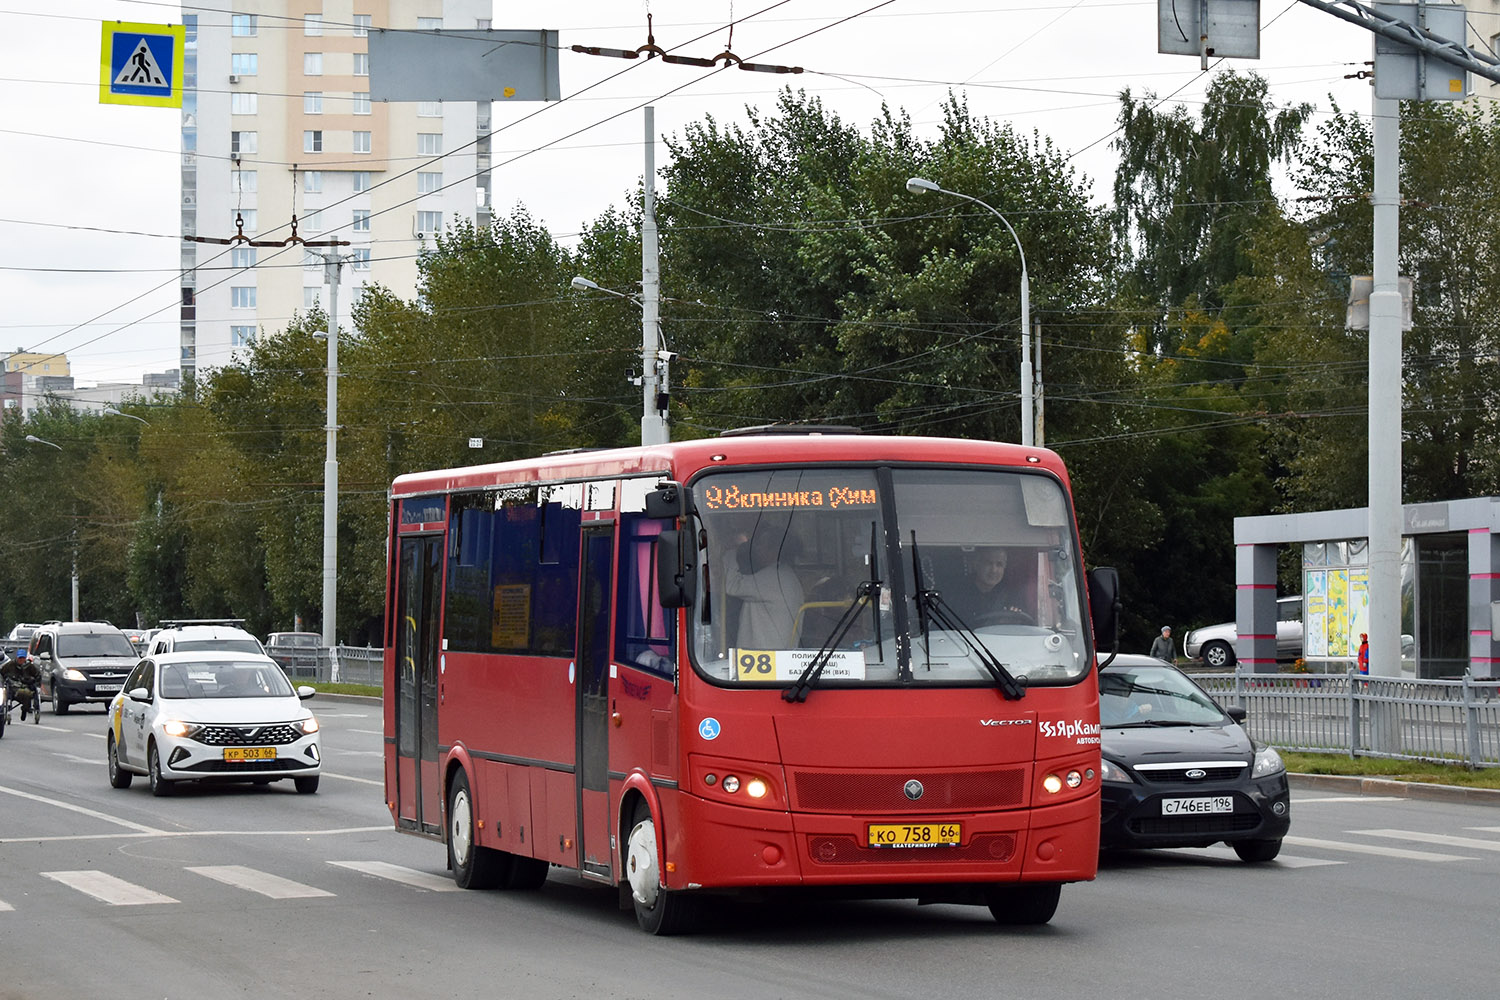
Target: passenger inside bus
758	574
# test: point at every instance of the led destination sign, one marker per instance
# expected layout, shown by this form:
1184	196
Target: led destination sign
734	497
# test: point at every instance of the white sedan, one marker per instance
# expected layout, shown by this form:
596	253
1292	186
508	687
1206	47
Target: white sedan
204	716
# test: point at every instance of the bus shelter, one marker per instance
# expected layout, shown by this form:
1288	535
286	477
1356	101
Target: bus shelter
1450	587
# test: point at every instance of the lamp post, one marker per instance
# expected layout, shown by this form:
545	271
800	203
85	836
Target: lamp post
112	412
653	367
920	185
33	439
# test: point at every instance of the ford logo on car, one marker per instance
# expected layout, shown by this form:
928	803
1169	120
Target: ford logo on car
1195	774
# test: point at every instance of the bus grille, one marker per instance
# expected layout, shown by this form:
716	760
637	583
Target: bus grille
864	792
1193	826
840	850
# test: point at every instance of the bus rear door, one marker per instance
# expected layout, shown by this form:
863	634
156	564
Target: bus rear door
418	595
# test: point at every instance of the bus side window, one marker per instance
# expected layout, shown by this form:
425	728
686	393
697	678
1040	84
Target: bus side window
645	632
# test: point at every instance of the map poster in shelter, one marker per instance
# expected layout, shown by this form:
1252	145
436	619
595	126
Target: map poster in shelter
1315	612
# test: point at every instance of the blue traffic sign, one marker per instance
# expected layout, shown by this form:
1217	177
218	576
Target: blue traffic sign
141	64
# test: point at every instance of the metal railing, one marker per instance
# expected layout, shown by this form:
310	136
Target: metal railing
1450	722
357	664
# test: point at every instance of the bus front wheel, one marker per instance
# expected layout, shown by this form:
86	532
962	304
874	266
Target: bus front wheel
474	867
1028	903
658	910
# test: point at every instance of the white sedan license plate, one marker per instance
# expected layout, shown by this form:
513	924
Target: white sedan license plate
1194	807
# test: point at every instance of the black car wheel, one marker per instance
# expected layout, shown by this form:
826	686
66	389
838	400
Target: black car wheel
1257	851
1218	655
160	787
118	776
1024	904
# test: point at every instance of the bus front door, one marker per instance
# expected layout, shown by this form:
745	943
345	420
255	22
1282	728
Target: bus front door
419	588
596	584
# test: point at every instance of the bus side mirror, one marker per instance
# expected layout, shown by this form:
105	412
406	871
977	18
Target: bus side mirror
676	568
669	500
1104	606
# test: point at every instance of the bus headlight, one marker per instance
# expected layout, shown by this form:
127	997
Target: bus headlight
1052	783
756	789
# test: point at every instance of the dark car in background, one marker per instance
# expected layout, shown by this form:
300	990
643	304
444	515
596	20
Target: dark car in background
81	662
1179	770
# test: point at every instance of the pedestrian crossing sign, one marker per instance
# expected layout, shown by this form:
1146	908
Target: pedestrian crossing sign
141	64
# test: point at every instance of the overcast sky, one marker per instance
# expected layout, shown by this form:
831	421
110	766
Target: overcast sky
89	193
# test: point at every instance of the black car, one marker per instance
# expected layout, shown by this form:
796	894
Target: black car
1180	771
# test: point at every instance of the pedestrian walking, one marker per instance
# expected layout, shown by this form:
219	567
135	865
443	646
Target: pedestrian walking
1161	648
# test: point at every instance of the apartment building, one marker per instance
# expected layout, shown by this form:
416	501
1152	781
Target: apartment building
277	122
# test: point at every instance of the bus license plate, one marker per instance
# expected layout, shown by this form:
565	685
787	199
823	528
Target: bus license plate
915	834
249	753
1193	807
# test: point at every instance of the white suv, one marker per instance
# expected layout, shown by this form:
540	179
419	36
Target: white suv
1215	643
203	637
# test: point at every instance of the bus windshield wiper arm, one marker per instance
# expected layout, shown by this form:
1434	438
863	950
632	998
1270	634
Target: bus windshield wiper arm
940	612
863	595
867	593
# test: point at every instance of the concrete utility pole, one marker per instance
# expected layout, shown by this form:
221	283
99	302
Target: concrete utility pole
653	424
332	263
1385	398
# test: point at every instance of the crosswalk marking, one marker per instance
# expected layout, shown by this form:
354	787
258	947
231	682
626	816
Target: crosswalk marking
107	888
1466	843
396	873
1385	852
1218	852
264	883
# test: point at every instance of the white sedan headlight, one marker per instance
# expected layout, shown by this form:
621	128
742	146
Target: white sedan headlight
308	725
179	729
1267	763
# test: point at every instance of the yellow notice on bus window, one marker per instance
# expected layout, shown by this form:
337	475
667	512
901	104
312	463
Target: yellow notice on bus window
510	625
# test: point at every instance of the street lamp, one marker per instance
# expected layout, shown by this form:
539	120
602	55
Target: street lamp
111	411
33	439
920	185
653	365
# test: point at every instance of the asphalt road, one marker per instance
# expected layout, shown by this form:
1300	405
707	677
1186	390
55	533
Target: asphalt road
257	891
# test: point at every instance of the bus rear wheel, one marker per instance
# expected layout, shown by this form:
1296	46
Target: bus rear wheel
474	867
1026	904
658	910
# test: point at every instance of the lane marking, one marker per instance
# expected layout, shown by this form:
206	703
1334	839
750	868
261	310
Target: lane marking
141	827
273	886
369	732
73	758
6	907
168	834
1466	843
1384	852
108	889
396	873
350	777
355	753
1349	798
1219	852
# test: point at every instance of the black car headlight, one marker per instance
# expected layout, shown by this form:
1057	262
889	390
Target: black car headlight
1110	771
1267	763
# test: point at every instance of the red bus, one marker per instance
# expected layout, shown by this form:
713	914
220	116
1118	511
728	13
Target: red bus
762	661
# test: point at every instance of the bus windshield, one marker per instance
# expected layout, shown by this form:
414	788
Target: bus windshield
897	576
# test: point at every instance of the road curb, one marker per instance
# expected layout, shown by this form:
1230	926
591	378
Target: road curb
1404	789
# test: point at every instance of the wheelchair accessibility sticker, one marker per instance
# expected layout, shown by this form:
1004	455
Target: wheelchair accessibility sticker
709	729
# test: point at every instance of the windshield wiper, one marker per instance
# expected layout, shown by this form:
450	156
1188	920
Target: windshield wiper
930	604
868	592
1155	724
